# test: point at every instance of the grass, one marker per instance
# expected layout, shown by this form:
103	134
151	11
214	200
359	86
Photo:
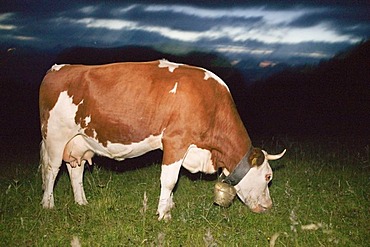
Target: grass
320	193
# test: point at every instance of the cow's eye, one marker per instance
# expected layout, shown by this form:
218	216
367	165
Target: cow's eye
268	177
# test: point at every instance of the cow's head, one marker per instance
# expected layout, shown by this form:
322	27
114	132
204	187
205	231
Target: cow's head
253	188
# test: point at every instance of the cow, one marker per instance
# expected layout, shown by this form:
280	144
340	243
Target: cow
123	110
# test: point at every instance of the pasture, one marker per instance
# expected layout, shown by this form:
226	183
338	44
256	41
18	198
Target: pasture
320	192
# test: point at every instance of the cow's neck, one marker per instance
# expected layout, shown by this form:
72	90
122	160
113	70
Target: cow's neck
234	142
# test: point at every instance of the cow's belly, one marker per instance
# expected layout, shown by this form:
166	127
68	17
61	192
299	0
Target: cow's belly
195	159
119	151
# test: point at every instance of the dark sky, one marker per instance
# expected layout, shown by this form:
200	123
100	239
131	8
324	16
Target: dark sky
312	29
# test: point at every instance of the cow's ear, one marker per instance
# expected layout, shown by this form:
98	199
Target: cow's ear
256	157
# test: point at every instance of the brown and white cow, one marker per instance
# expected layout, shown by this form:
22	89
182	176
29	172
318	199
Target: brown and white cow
124	110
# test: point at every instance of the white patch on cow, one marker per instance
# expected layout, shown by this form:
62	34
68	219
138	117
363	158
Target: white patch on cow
169	177
198	160
167	64
61	127
61	120
174	89
87	120
95	134
132	150
195	160
225	171
57	67
120	151
208	74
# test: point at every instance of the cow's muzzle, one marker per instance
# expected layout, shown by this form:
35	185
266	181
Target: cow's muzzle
224	194
261	208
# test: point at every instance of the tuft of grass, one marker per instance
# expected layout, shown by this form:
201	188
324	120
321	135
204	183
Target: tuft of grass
320	193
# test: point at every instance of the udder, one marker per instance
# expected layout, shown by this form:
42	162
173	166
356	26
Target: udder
77	152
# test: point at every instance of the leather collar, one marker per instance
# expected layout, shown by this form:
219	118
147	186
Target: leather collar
241	169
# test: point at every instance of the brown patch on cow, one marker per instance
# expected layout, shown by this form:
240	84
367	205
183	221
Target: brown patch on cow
256	157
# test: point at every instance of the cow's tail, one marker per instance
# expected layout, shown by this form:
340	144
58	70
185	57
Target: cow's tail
44	161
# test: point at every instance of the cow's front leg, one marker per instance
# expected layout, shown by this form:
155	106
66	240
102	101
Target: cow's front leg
76	176
169	177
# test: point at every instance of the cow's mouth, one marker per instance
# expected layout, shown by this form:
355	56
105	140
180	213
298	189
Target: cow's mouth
260	209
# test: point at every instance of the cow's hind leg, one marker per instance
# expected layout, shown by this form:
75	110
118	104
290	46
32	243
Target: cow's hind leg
169	177
50	162
76	176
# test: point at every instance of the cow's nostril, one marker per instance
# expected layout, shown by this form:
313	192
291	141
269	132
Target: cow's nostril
264	208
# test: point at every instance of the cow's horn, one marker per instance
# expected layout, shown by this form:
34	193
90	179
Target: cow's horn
275	156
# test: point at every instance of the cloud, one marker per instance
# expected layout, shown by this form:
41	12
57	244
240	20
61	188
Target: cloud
269	26
242	49
5	19
124	25
6	16
88	9
352	22
112	24
255	28
24	38
271	16
311	54
7	27
18	37
319	33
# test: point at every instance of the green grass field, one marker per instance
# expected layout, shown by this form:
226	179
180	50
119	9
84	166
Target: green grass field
320	192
